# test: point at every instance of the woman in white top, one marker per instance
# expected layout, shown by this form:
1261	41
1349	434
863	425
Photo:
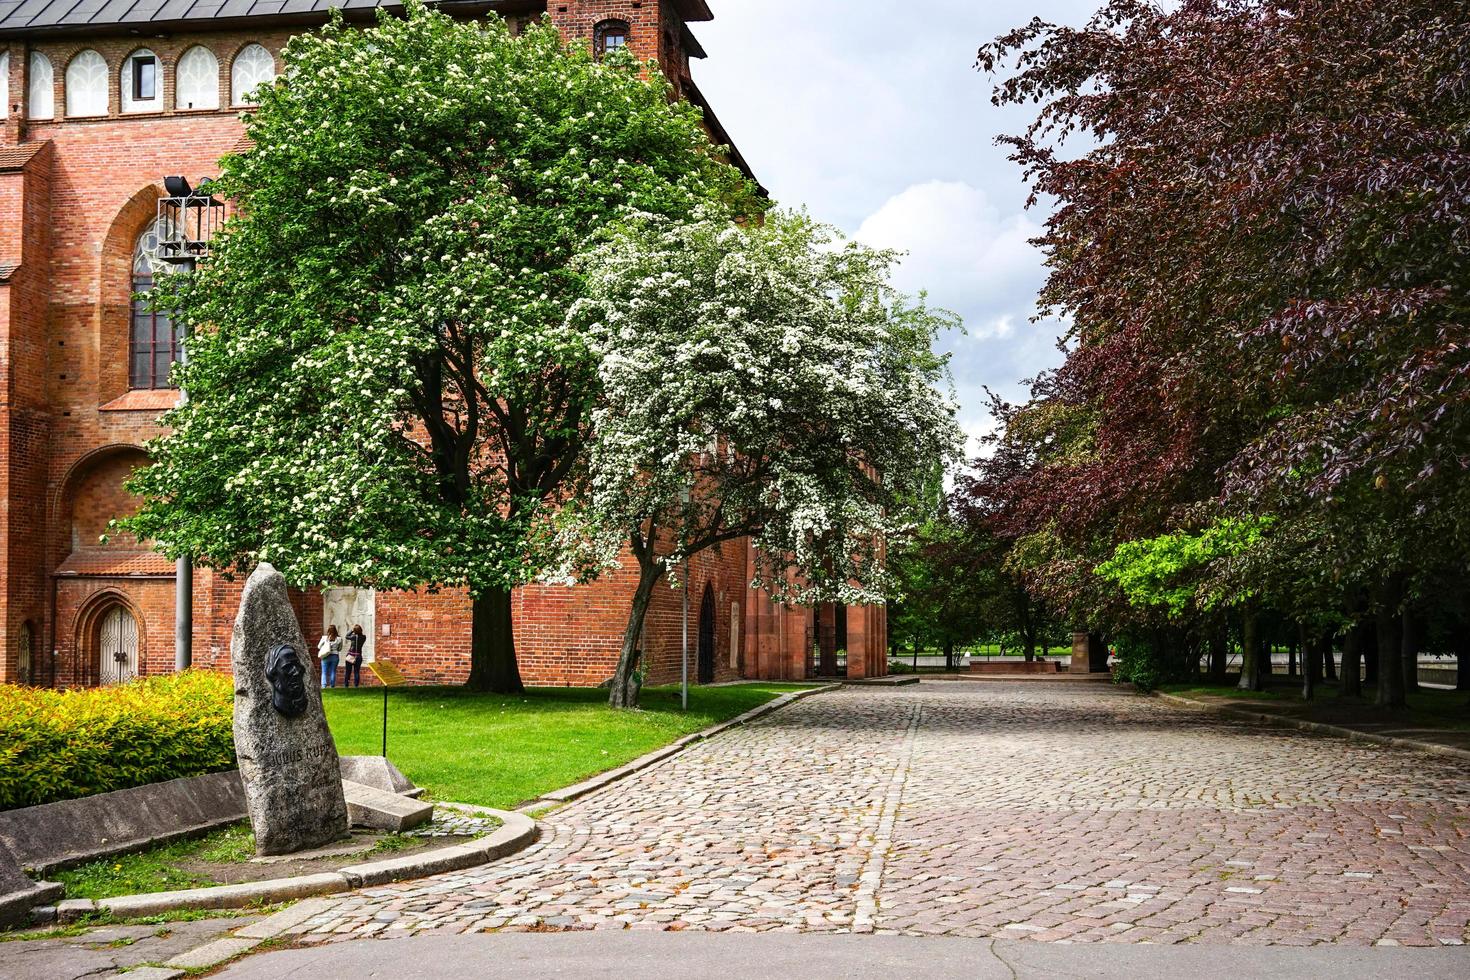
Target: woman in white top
329	652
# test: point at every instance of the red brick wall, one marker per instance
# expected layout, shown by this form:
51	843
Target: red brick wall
25	191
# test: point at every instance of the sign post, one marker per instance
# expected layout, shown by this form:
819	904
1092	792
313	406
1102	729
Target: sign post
388	674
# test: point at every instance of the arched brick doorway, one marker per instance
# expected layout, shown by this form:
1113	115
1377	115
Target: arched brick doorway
116	645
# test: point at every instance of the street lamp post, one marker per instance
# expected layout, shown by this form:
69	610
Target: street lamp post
189	217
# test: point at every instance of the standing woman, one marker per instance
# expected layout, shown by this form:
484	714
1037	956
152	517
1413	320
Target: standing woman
356	641
329	650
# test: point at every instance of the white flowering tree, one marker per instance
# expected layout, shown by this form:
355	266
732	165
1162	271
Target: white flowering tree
383	386
760	382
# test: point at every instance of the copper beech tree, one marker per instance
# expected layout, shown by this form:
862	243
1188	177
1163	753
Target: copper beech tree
1259	236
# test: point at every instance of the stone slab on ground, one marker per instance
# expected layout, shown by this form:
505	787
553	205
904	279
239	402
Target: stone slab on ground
18	893
55	835
377	772
288	759
284	921
710	956
368	806
360	845
108	950
213	954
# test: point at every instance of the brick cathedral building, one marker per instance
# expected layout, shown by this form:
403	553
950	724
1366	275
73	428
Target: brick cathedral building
99	101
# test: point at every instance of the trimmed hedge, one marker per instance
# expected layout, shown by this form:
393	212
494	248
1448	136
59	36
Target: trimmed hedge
60	745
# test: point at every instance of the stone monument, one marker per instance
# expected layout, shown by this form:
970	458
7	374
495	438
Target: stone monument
288	761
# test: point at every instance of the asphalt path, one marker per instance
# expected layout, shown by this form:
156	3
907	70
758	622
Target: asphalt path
726	956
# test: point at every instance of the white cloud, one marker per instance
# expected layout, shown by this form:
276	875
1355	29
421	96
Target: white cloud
877	122
973	260
962	252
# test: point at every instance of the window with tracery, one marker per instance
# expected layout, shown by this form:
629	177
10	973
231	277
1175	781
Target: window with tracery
86	85
253	68
154	343
196	80
41	96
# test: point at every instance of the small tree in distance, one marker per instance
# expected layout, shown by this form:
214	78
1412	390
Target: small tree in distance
760	382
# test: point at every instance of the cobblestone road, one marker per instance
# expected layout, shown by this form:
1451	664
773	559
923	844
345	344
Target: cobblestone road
1023	810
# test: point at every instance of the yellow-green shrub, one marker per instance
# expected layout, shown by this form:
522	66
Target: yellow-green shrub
59	745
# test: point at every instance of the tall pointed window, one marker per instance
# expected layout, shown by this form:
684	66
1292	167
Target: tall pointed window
86	85
253	68
154	343
196	80
4	84
41	96
610	35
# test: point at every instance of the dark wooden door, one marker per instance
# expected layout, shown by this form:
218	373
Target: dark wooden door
707	636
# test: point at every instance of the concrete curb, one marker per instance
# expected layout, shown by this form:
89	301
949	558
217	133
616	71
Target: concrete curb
1278	721
516	833
578	790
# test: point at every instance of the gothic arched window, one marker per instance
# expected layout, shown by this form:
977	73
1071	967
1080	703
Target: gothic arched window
196	80
41	98
253	68
610	35
86	85
153	342
4	84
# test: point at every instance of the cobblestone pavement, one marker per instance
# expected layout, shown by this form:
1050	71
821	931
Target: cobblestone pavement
1025	811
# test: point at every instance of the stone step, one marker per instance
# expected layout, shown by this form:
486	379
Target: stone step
368	806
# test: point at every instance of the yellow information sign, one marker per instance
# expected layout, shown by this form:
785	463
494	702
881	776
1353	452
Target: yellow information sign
387	673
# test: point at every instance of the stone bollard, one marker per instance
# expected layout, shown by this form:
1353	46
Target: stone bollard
288	760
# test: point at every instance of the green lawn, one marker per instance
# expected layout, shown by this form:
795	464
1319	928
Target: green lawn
1427	708
501	751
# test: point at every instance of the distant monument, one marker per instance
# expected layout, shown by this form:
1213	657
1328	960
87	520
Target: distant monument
288	761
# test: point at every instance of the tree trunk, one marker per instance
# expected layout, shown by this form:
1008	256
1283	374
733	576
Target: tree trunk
1409	658
1462	656
493	665
1219	653
624	692
1390	659
1251	678
1291	649
1352	661
1370	654
1311	666
949	655
1329	661
1028	637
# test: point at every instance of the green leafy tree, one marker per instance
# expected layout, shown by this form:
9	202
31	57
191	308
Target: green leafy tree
384	389
943	586
762	382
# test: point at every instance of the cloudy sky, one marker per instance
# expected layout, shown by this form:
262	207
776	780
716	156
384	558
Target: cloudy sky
870	114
